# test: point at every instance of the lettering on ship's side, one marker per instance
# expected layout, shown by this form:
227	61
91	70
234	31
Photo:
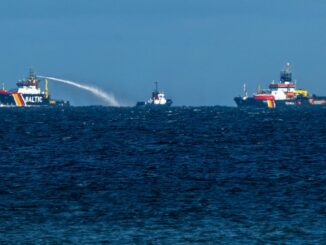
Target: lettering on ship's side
33	99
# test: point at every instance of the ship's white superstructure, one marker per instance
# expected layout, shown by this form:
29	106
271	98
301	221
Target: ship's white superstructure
29	90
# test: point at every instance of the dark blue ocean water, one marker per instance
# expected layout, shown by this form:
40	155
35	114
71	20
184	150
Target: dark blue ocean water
206	175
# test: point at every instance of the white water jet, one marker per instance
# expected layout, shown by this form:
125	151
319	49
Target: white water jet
96	91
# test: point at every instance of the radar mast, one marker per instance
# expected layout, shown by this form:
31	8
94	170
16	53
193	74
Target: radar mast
286	74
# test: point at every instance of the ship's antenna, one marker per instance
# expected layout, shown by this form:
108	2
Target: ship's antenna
156	86
245	92
287	67
3	86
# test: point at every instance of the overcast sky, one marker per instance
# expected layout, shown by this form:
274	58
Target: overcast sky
200	51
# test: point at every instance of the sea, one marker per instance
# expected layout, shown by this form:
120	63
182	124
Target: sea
182	175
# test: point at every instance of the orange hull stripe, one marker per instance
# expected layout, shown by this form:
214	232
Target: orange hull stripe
17	100
20	97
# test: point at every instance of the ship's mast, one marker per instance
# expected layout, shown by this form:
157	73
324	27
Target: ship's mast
156	86
32	76
286	74
245	92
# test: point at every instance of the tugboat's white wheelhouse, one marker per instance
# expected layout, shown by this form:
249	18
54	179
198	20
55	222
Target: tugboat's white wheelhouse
159	99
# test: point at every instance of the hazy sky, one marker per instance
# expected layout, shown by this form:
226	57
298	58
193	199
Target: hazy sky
201	51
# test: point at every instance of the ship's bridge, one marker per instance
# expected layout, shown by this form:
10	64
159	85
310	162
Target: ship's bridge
282	85
29	90
30	85
285	89
282	90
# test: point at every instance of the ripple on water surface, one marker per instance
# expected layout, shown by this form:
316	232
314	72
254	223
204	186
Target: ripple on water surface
176	176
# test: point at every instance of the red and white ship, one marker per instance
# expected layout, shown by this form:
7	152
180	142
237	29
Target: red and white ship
281	94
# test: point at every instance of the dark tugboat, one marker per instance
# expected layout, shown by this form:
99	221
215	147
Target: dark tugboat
157	100
281	94
28	94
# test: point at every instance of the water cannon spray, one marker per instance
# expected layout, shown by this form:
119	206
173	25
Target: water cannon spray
104	96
